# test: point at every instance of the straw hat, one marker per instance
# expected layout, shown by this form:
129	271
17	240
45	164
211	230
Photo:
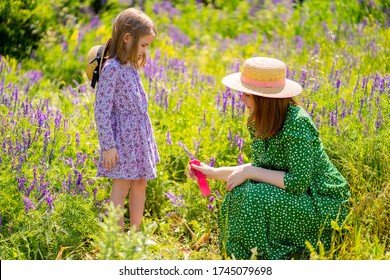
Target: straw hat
95	61
263	76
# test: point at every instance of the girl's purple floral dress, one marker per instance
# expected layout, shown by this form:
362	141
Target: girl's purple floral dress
122	119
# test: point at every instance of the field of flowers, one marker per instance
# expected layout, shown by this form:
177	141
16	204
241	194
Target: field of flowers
52	205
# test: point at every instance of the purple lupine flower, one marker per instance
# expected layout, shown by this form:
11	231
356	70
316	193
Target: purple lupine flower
230	136
168	138
210	207
79	178
49	200
80	159
57	120
77	139
303	78
361	109
95	191
4	145
240	143
212	162
186	150
364	82
240	160
28	204
225	97
299	42
166	7
350	109
34	76
166	101
69	181
46	140
176	201
343	108
233	100
218	100
178	36
314	106
41	118
197	146
33	184
94	22
22	181
338	83
69	161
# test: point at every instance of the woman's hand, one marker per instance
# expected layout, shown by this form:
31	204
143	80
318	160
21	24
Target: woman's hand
110	158
237	177
208	171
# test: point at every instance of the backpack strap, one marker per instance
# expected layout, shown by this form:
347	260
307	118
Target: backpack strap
96	72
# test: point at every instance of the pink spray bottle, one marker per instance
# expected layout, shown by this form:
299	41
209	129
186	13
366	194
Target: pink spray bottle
203	185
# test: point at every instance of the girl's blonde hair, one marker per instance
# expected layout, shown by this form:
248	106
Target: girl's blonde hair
269	115
138	24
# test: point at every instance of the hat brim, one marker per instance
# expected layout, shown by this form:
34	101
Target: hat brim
290	88
90	66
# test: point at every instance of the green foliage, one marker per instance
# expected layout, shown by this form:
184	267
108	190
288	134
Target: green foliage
23	23
42	233
337	49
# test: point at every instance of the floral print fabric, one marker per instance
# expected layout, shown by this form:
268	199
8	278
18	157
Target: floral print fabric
122	119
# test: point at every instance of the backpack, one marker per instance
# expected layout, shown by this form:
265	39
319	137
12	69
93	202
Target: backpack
96	58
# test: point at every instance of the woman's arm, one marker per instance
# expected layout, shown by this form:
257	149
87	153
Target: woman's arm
268	176
220	173
236	175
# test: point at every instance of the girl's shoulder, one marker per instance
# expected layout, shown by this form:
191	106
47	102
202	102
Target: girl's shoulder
299	124
111	64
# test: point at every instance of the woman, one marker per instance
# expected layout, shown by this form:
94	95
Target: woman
291	191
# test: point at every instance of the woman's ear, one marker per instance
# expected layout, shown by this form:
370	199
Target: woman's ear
127	38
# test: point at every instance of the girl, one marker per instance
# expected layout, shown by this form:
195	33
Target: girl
128	150
291	192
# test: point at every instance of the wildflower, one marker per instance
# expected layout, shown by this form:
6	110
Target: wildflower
168	138
212	162
94	22
28	204
21	180
77	139
176	201
240	160
57	120
186	150
95	191
49	200
303	78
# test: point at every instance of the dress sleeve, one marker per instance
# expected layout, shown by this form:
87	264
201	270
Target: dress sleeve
104	102
300	153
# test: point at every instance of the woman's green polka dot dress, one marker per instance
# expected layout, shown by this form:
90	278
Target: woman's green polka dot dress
275	223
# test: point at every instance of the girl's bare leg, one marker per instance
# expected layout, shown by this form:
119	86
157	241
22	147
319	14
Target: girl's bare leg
120	189
137	197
